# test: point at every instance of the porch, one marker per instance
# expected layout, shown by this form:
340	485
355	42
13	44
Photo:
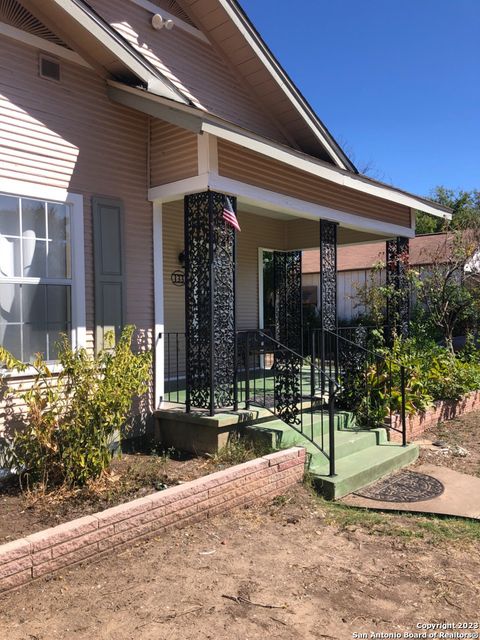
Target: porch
236	353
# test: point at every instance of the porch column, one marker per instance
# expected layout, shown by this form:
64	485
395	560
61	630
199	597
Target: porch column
209	302
328	298
398	303
328	275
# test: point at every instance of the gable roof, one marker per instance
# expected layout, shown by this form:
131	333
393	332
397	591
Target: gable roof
77	24
254	60
235	78
423	249
109	42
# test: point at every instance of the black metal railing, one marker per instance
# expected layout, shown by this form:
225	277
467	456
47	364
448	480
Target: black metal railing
373	385
275	377
174	367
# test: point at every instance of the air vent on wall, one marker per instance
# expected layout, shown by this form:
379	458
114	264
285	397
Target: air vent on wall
14	14
49	68
176	10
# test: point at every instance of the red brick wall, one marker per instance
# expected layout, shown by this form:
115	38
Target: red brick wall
92	536
441	411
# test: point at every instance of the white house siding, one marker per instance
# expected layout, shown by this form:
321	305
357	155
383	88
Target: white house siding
69	135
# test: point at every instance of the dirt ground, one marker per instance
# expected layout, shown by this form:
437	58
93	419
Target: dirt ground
131	476
461	433
296	568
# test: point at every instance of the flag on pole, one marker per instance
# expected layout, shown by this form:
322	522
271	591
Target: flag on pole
229	214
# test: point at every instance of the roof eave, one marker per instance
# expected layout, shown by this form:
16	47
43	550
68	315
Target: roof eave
240	18
194	119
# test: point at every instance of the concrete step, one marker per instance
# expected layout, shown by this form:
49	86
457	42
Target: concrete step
359	469
362	456
278	435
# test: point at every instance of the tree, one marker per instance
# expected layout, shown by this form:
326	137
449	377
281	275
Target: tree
448	291
465	206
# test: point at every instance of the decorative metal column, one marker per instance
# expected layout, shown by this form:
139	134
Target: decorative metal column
398	303
328	275
209	303
328	297
287	277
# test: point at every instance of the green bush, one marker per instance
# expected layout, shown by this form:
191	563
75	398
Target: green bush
432	372
73	418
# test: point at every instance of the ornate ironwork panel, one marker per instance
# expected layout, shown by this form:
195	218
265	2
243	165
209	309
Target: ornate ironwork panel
398	303
288	370
288	298
352	363
328	274
209	302
223	304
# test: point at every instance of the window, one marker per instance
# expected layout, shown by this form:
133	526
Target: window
35	275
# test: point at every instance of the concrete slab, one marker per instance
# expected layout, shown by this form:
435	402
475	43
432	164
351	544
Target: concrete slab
461	496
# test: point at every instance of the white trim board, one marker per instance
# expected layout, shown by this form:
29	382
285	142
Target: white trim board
51	194
275	202
159	337
32	190
44	45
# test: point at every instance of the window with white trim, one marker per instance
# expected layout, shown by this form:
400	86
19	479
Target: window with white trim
35	275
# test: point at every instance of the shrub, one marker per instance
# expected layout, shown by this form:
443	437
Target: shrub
432	372
72	419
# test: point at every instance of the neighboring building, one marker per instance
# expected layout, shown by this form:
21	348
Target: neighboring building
107	123
355	265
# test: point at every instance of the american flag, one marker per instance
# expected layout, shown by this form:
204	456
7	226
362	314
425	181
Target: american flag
229	214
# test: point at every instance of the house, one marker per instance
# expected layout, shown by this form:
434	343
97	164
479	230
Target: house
356	269
127	127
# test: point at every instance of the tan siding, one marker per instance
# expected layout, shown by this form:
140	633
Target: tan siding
173	244
268	91
267	233
258	170
173	153
70	135
256	232
193	66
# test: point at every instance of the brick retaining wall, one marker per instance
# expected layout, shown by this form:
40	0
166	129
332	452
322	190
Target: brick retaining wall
92	536
442	410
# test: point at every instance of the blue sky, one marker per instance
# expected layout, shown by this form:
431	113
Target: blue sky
397	82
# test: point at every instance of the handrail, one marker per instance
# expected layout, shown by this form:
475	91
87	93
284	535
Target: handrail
298	355
379	355
287	398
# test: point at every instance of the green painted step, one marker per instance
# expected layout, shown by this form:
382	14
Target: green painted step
362	456
278	435
360	468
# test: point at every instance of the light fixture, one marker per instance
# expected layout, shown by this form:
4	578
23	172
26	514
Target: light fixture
158	22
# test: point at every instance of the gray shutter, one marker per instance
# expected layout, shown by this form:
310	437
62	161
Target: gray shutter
109	268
